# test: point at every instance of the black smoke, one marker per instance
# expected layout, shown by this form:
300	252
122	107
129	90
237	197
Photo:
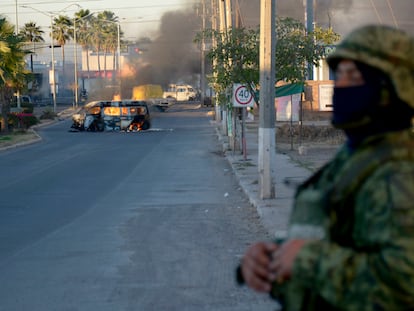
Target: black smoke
172	56
342	15
324	10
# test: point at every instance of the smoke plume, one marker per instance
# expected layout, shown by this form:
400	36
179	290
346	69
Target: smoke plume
173	57
324	10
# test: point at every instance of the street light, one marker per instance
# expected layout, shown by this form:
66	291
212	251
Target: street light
119	59
76	62
17	31
51	15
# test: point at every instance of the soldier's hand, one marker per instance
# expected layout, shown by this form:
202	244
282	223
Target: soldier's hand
255	266
283	258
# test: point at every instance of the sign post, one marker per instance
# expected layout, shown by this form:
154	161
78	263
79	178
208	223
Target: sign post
242	98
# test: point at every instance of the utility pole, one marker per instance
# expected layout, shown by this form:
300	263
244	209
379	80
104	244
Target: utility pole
229	15
223	27
267	133
222	18
118	28
237	19
309	14
309	28
52	74
203	56
17	17
214	25
231	116
17	32
75	104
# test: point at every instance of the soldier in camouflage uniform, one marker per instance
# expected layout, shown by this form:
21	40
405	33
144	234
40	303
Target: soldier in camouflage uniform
350	243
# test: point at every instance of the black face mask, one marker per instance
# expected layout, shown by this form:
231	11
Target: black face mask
359	112
352	106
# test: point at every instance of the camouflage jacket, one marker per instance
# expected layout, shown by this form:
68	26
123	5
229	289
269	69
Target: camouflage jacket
359	210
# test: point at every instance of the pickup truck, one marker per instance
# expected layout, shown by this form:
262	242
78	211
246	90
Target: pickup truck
181	92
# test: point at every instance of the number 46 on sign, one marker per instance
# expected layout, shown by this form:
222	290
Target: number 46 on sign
242	97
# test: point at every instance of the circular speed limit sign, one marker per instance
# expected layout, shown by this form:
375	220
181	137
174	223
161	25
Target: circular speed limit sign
242	96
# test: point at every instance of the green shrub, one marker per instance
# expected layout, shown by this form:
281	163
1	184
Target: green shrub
29	120
48	115
13	120
22	120
27	107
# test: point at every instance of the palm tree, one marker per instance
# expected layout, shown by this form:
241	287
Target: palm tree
12	67
96	38
62	32
110	42
107	23
32	33
83	20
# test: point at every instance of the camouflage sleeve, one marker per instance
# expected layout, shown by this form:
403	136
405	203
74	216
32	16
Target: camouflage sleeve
378	274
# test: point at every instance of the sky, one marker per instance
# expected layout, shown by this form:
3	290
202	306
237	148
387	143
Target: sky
138	18
172	35
342	15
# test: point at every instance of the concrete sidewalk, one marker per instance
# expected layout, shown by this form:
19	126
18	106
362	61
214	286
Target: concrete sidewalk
274	213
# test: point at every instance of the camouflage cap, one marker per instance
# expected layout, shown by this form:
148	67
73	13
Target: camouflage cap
385	48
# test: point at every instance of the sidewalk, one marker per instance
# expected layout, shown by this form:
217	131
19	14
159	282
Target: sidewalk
274	213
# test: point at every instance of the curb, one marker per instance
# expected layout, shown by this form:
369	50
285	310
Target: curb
274	213
61	116
24	143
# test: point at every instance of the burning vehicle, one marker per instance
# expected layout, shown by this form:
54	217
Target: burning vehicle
90	117
135	116
125	115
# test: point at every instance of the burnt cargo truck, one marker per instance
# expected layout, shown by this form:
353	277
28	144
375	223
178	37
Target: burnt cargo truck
153	95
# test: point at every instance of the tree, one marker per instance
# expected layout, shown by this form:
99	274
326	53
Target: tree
296	49
12	67
62	32
236	58
83	21
236	55
104	32
110	42
98	33
32	33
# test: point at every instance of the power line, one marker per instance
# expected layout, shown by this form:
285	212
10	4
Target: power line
376	11
140	21
107	8
392	14
151	6
61	1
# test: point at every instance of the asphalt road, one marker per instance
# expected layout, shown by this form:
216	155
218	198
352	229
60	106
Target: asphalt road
152	220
